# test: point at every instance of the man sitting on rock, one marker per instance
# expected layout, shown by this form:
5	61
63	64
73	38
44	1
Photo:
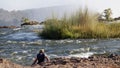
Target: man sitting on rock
41	56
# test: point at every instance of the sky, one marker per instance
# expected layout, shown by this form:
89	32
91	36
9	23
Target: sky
97	5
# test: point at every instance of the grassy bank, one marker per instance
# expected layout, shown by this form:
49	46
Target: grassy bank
82	24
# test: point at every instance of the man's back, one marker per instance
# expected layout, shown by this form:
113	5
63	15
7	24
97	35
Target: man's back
40	57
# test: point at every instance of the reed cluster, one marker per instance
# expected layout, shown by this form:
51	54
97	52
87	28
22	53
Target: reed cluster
82	24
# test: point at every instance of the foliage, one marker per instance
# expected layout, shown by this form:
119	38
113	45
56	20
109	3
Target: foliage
83	24
108	13
25	20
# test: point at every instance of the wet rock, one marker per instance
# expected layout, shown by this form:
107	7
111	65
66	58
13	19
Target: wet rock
112	55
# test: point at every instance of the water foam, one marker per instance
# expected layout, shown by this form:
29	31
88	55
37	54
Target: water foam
53	56
82	55
24	51
14	42
36	43
3	33
22	36
17	29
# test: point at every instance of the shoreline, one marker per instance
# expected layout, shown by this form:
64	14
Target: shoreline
95	61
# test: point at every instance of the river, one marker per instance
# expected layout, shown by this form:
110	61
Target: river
21	46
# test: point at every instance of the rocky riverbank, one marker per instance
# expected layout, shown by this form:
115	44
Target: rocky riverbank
97	61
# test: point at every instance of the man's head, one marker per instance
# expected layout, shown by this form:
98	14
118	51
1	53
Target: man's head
41	51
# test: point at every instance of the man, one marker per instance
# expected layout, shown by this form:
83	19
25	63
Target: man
41	56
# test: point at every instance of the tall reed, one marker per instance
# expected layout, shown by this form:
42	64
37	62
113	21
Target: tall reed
82	24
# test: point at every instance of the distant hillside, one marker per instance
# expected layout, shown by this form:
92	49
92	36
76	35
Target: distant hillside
8	18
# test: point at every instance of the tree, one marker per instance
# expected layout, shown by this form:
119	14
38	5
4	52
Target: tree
25	20
107	14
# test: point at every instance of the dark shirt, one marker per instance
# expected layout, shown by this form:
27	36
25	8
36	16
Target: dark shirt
40	57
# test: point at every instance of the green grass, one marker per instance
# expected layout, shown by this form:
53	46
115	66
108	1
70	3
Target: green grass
83	24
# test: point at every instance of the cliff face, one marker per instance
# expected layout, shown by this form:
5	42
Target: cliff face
111	61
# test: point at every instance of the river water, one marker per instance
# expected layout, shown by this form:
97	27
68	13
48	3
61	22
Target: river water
21	46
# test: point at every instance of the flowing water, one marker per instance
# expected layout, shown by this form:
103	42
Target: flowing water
21	46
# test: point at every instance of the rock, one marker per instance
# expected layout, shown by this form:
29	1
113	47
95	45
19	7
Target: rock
101	61
7	64
9	27
112	55
30	23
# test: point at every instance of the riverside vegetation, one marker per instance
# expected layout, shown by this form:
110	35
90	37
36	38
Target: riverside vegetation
83	24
